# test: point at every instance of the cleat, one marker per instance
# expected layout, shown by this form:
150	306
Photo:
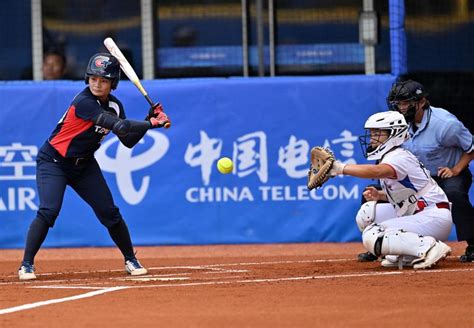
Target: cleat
468	256
436	253
26	272
134	267
392	261
366	257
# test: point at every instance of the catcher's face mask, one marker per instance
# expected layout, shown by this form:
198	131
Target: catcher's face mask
383	132
372	139
377	137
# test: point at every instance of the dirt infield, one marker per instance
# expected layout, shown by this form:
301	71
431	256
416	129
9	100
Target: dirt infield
284	285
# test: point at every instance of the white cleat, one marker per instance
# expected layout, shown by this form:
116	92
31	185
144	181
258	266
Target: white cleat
134	268
27	272
438	252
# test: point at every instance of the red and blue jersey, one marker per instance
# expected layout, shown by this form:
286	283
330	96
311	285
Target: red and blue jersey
76	134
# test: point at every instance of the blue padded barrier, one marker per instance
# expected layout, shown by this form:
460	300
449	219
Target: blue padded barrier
168	188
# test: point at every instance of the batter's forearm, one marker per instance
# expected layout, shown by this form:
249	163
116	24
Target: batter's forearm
131	139
122	127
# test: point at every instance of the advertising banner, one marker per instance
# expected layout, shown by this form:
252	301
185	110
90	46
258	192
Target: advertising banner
168	188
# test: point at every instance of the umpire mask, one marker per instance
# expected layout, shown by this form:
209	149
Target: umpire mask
410	112
409	91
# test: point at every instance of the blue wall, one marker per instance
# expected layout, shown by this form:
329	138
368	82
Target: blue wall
168	187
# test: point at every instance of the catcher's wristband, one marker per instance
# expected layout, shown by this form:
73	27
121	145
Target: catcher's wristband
338	168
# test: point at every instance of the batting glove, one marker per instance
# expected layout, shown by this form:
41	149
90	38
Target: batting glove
159	120
154	111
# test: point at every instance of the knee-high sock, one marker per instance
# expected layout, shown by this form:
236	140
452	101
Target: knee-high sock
121	237
36	235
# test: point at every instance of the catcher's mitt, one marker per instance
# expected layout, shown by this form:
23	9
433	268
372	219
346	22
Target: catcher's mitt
322	160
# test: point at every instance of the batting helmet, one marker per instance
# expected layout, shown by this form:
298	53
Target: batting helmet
104	65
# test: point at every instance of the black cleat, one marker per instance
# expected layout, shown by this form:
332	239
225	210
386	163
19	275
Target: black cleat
366	257
469	255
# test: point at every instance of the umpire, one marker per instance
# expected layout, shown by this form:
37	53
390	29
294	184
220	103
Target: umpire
67	158
445	146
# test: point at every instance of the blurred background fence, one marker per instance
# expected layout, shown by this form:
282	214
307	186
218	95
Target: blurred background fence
222	38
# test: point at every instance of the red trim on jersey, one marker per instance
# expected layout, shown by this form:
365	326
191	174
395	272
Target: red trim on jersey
71	127
394	176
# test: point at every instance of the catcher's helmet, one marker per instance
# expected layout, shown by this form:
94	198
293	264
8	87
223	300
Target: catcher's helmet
104	65
397	128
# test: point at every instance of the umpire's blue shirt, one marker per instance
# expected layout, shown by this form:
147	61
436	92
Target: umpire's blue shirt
440	140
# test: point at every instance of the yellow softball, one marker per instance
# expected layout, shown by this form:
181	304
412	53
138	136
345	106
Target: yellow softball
225	165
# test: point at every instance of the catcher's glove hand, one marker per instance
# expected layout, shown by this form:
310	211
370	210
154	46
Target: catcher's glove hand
322	160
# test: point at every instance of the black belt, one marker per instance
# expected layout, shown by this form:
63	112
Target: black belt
79	160
67	160
72	160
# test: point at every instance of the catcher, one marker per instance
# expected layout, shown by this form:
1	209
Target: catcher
408	230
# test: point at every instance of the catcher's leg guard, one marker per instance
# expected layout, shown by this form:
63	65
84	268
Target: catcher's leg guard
379	241
366	215
372	238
